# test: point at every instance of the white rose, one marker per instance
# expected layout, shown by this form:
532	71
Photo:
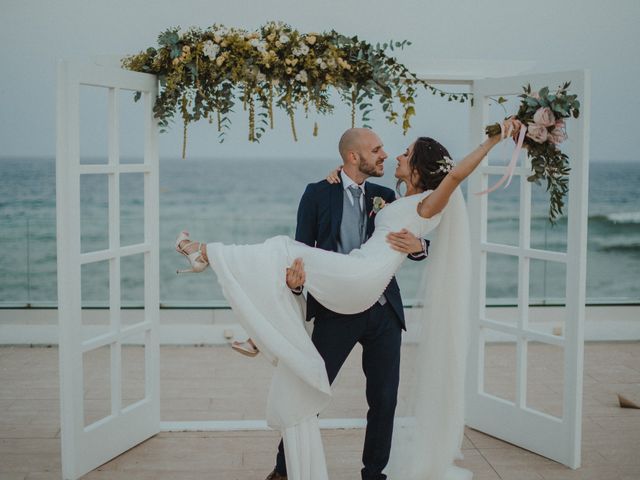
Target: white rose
302	76
283	38
210	49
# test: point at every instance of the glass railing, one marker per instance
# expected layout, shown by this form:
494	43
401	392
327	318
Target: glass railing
29	277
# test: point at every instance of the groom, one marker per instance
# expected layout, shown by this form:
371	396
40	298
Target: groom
340	217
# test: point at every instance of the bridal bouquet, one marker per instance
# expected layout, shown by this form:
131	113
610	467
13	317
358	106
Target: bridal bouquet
543	113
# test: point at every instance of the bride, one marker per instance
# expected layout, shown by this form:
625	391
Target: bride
253	281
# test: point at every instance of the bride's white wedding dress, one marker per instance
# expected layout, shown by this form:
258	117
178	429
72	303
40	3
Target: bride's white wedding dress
253	281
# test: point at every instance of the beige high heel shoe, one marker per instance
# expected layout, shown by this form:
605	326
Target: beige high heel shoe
195	257
247	348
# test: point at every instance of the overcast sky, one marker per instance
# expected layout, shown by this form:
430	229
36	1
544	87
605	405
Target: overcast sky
490	37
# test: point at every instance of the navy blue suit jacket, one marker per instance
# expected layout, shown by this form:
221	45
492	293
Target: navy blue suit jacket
319	218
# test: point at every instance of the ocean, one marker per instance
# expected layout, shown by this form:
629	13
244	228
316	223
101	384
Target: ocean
247	201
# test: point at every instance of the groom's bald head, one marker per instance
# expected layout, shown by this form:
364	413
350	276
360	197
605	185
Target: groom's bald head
352	141
362	153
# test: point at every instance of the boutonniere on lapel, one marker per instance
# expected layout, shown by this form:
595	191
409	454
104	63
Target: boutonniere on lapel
378	204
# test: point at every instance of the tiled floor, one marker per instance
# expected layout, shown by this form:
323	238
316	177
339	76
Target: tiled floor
214	383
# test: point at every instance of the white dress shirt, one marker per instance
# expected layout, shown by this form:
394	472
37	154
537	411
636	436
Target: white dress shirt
346	183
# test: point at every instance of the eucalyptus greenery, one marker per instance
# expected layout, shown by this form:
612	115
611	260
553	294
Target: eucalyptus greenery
206	73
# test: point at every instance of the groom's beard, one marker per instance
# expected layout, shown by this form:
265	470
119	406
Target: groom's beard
370	170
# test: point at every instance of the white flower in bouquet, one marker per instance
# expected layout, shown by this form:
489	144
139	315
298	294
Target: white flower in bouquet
283	39
302	76
210	49
301	50
320	62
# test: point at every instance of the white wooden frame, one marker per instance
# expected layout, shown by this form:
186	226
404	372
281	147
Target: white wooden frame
85	448
515	422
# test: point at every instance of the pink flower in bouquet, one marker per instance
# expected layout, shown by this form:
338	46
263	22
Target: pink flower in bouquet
537	133
558	134
544	116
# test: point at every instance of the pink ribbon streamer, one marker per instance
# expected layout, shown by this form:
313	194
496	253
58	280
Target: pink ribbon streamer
508	175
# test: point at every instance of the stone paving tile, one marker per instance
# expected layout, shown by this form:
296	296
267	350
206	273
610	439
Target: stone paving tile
196	387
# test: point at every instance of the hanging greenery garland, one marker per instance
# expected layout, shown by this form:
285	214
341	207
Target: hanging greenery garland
204	73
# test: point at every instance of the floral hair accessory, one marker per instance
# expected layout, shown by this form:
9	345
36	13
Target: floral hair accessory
446	165
378	204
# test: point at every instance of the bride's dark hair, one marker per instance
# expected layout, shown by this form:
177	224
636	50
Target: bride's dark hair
426	161
427	153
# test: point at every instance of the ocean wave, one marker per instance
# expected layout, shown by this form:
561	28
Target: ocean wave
630	247
617	218
624	217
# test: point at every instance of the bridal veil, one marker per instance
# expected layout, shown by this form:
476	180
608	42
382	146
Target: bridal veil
429	438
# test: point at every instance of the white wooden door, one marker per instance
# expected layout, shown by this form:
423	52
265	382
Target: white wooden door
85	447
510	415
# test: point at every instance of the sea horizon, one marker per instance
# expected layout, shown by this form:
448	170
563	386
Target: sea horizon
249	201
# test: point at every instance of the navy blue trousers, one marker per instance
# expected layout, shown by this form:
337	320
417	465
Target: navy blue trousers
378	331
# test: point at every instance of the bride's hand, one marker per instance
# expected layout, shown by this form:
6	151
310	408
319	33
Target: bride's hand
334	176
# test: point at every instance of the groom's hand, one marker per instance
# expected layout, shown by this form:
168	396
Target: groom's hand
404	241
296	276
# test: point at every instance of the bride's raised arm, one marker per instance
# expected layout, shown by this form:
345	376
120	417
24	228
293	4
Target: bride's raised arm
437	200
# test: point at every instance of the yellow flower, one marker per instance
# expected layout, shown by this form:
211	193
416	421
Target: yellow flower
220	59
176	61
289	70
271	37
217	38
311	39
186	49
291	61
343	64
224	44
278	44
